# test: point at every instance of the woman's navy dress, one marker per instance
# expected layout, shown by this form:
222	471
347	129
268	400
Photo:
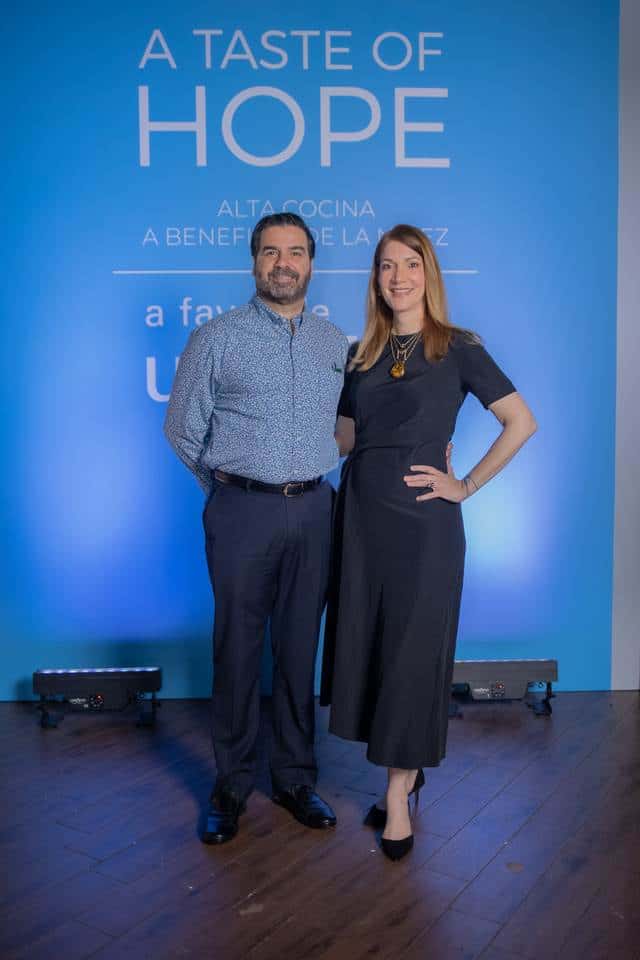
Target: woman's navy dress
395	595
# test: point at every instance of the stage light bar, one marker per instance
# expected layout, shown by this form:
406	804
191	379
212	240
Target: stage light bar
507	680
96	689
103	670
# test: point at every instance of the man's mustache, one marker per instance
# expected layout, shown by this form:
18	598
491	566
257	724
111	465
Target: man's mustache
283	272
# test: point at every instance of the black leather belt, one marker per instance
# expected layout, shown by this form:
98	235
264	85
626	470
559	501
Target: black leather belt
292	489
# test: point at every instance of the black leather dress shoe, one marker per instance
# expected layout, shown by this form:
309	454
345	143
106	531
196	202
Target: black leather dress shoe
222	817
306	806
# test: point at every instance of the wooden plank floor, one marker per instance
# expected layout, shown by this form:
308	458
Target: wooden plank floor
527	844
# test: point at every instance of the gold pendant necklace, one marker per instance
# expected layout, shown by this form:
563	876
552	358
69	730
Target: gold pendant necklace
401	353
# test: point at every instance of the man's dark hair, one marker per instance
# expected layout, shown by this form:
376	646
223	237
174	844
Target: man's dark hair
281	220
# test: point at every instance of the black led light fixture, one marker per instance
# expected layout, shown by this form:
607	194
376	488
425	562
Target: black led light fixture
97	690
497	680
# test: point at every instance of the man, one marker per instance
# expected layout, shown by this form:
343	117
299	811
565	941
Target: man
252	414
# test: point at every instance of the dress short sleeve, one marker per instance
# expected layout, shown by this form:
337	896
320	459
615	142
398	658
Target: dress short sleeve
480	374
345	406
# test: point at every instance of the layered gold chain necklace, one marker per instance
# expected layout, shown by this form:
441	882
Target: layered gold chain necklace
401	352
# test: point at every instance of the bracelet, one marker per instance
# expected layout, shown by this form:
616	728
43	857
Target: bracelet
466	481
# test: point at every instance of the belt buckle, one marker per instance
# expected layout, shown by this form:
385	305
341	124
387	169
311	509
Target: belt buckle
294	483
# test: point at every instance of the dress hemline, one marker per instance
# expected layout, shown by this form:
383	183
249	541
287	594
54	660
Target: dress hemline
353	738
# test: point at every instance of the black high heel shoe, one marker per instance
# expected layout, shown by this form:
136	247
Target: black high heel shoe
397	849
377	818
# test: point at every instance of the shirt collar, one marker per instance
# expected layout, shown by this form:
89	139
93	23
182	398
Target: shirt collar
275	317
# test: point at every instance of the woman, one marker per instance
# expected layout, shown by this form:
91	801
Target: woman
399	556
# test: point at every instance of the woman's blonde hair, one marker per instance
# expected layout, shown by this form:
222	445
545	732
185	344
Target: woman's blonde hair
438	331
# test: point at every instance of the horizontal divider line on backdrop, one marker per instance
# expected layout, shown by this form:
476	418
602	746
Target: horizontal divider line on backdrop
160	273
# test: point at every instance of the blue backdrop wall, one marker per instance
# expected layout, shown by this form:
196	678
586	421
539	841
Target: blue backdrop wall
493	126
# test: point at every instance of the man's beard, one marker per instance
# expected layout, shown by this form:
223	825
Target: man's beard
283	293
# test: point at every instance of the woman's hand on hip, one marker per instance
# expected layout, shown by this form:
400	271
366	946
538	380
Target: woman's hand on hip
440	485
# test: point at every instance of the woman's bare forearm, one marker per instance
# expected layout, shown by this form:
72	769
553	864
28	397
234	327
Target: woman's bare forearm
515	433
345	435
